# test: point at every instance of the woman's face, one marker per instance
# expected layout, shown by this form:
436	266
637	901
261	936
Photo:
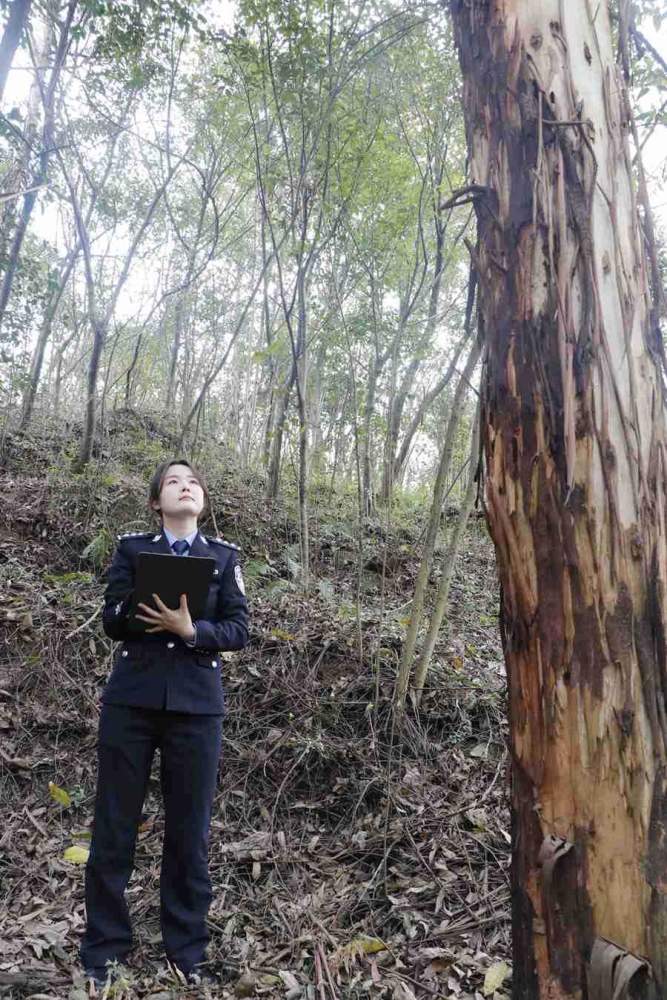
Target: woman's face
181	493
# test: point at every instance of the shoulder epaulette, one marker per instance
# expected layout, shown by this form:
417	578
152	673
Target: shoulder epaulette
221	541
135	534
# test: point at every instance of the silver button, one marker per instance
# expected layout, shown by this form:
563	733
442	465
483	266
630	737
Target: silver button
215	572
170	645
214	663
124	653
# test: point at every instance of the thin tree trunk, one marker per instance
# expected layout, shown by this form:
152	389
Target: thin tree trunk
448	563
301	361
268	337
397	403
366	441
43	339
57	392
130	371
217	368
573	425
315	407
100	321
51	308
420	412
273	487
180	312
40	175
394	428
415	423
417	606
19	13
337	430
20	172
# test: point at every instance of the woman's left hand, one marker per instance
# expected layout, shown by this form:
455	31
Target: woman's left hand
176	620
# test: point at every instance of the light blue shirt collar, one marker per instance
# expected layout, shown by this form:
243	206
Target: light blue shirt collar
171	538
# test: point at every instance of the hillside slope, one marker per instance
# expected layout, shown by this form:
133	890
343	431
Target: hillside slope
338	842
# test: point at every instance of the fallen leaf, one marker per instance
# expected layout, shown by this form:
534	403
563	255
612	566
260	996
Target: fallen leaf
289	979
59	795
245	986
279	633
495	977
370	945
76	854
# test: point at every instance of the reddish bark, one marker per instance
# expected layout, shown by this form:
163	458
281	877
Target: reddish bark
574	430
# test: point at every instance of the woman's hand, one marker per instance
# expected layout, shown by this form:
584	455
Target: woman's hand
176	620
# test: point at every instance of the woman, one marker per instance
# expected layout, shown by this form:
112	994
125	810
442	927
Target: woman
165	691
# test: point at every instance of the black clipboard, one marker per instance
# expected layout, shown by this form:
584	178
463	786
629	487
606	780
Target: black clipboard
169	577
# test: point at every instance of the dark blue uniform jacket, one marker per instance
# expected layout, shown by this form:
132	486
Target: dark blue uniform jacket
159	670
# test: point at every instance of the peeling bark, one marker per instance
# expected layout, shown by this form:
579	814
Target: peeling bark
574	440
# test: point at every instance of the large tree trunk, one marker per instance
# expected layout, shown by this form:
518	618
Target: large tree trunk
574	438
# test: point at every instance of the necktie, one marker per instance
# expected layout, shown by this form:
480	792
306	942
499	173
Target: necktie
180	547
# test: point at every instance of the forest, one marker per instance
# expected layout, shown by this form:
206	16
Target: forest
392	276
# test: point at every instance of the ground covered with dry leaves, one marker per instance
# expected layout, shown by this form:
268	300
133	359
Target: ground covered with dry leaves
349	857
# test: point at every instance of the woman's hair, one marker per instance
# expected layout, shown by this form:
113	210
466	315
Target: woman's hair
158	478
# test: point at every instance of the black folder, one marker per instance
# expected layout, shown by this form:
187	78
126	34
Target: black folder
169	577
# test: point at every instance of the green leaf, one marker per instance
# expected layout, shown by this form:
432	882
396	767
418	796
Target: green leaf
280	633
370	945
99	549
59	795
256	567
76	854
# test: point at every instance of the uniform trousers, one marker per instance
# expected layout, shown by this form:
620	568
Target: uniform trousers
189	754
